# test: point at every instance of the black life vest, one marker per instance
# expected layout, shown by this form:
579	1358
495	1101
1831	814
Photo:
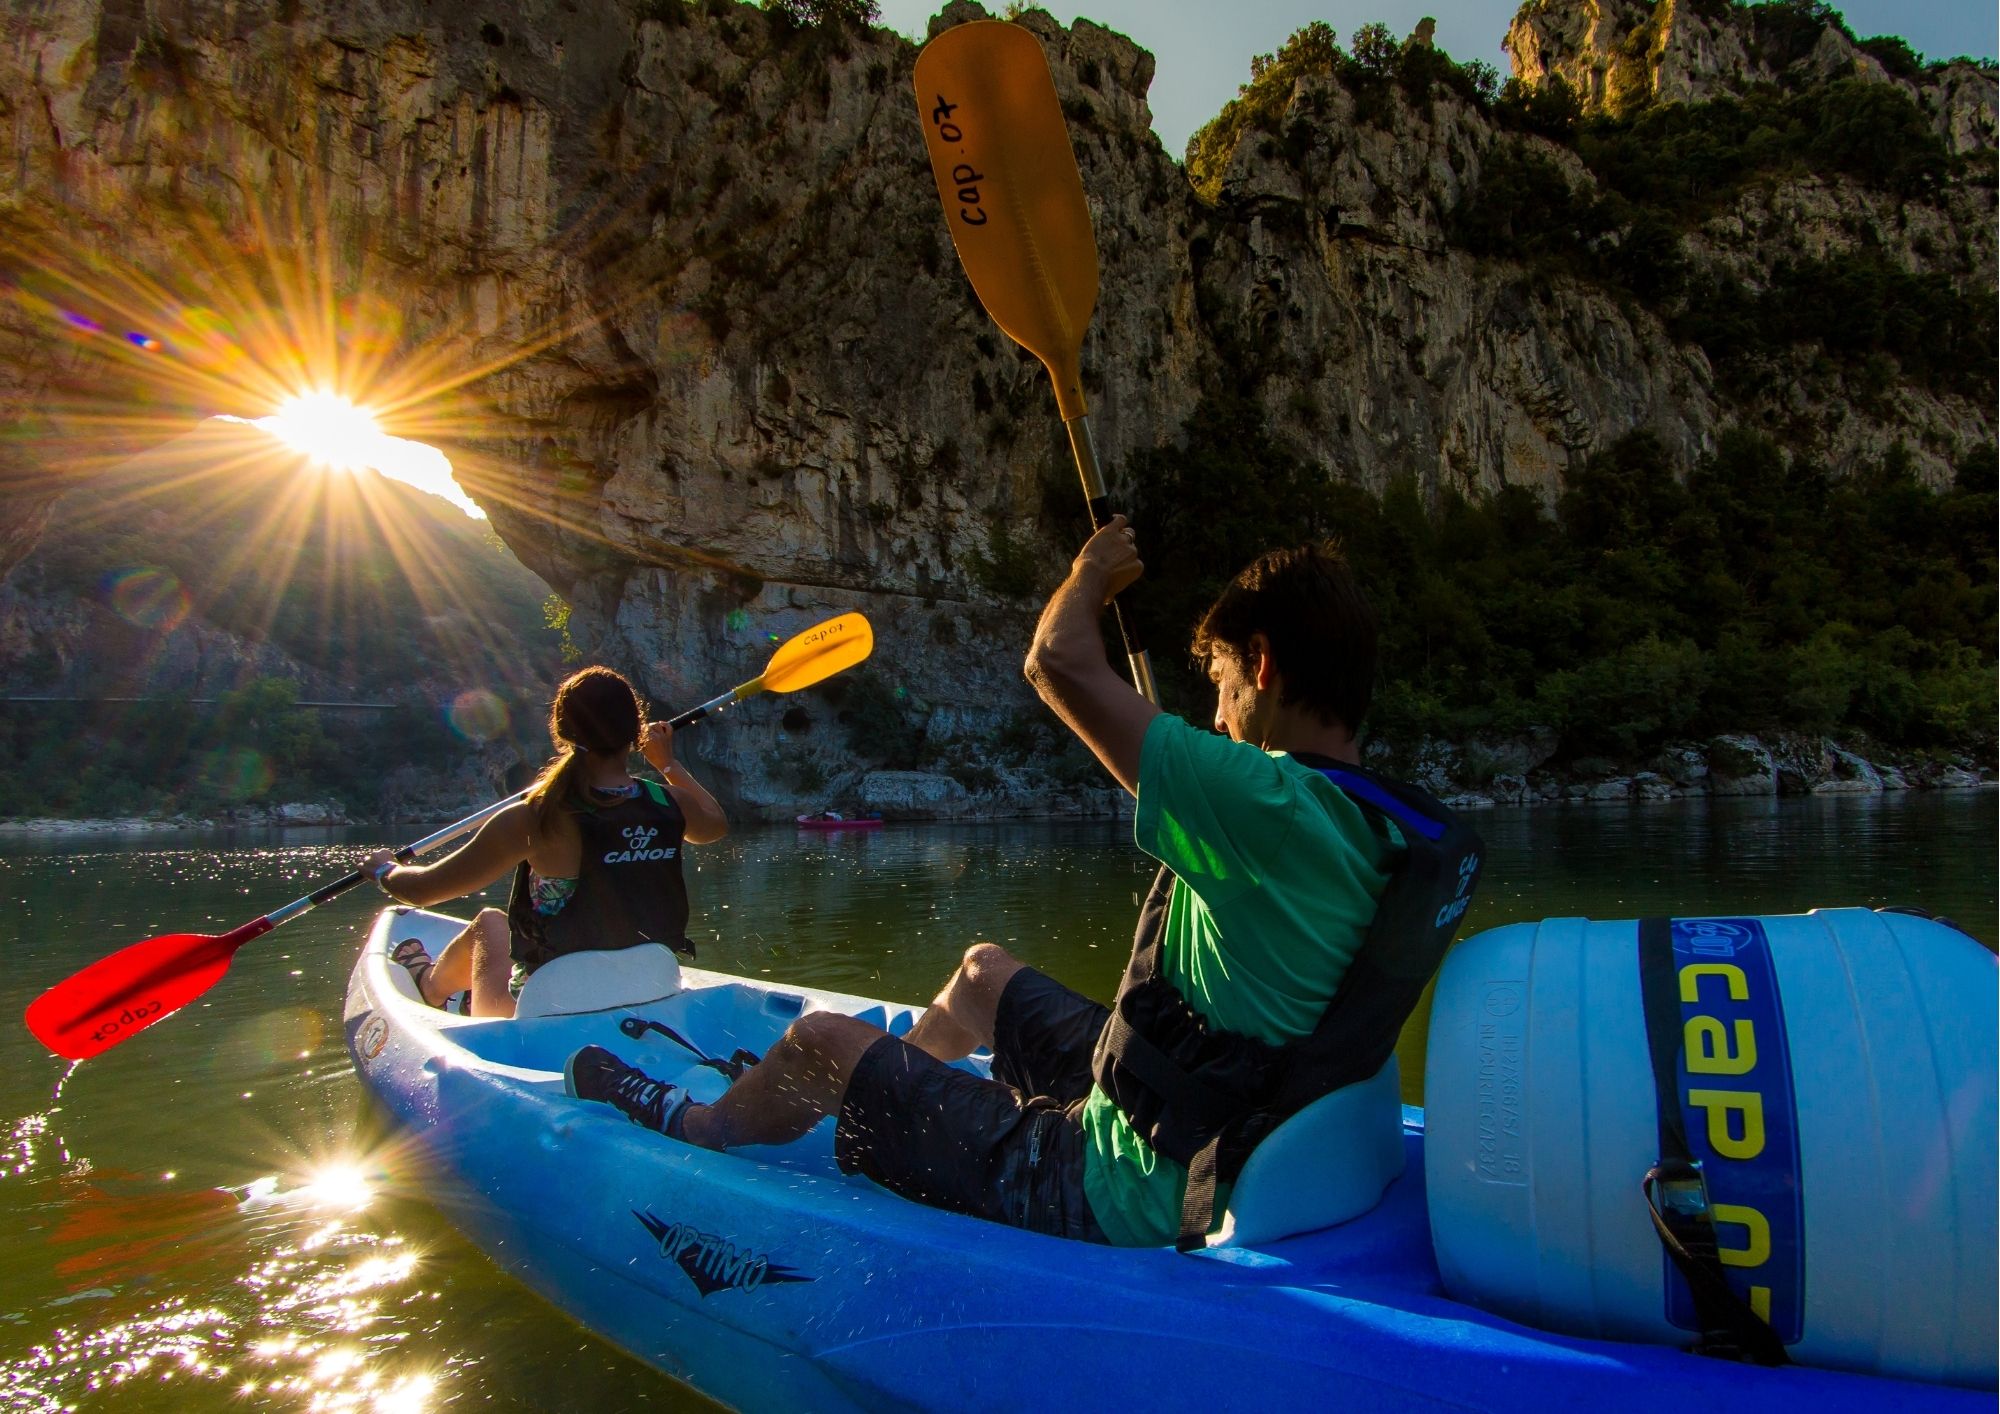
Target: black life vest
1205	1097
629	889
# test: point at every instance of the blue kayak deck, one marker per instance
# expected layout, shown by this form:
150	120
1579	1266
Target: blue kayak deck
769	1279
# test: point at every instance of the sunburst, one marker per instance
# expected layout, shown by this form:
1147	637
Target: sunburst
238	365
280	318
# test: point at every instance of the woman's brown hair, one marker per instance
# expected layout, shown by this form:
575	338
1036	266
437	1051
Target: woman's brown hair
594	710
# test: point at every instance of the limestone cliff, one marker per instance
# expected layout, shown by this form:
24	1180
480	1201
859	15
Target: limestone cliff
731	378
1621	55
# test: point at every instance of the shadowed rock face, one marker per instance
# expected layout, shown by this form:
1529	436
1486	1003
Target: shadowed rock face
730	378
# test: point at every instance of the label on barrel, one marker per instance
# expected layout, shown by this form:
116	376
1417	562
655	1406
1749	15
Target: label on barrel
1501	1156
1737	1102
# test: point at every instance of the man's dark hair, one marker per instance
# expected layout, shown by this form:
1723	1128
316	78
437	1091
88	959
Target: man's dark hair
1321	630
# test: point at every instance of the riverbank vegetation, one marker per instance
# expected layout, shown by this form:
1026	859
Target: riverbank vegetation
1758	594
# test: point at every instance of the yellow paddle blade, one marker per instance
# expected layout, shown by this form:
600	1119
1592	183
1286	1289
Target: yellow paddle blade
816	655
1012	197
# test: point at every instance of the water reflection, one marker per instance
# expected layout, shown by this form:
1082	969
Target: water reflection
300	1322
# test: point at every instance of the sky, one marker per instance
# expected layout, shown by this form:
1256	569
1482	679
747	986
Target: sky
1203	47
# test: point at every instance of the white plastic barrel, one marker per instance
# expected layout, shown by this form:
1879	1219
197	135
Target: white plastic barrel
1845	1063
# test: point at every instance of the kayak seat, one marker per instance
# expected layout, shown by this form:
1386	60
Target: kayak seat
600	981
1328	1163
896	1020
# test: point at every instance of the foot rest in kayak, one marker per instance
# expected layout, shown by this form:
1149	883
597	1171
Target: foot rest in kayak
1326	1164
600	981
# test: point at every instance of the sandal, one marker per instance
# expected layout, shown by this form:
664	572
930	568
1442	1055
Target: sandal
416	961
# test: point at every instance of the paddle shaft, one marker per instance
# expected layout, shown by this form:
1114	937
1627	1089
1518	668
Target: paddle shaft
717	703
196	951
192	953
1084	448
257	928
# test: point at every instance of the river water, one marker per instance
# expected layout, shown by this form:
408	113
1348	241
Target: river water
208	1219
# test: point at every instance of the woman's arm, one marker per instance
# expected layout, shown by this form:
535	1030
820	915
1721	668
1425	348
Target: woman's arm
705	821
498	846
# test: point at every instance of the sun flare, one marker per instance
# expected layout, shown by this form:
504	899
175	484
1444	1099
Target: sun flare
334	432
339	1185
328	428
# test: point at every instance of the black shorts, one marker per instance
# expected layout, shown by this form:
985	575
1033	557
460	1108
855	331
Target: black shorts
1009	1149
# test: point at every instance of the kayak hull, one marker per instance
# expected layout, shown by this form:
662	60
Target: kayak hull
767	1279
808	822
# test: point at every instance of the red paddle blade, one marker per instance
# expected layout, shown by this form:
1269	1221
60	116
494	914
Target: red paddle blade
117	997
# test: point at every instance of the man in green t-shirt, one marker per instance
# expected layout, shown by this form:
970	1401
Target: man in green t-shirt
1276	876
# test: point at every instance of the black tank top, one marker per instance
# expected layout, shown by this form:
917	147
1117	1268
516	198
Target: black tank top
629	889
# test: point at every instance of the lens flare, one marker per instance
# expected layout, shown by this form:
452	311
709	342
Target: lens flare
273	1039
238	773
410	1395
147	597
215	345
478	715
266	305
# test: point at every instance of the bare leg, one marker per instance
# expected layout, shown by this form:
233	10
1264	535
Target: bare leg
799	1082
960	1021
492	964
480	961
451	969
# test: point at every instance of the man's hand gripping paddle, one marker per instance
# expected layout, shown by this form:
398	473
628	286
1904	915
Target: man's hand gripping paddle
119	996
1014	202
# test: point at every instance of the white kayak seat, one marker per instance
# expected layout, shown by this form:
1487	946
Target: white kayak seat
1326	1164
600	980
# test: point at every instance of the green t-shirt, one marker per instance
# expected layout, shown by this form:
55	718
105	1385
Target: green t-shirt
1278	873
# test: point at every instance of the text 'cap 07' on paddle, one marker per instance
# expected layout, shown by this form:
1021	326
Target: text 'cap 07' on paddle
1012	195
120	995
817	654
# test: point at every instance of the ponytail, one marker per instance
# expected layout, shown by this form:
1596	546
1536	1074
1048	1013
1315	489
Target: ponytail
556	784
594	710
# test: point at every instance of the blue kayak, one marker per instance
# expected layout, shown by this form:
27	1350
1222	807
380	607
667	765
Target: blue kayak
767	1279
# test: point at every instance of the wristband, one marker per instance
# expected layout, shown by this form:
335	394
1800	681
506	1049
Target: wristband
382	872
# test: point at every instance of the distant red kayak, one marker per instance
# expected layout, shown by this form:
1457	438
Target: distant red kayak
835	822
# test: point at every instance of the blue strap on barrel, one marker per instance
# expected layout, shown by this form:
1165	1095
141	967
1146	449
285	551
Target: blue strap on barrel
1676	1198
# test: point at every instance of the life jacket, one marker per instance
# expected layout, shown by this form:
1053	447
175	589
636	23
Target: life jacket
629	889
1204	1096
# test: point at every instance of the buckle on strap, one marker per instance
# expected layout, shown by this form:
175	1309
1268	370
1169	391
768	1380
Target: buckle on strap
1680	1193
1677	1202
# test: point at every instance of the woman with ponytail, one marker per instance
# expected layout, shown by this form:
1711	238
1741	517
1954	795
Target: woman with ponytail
596	854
